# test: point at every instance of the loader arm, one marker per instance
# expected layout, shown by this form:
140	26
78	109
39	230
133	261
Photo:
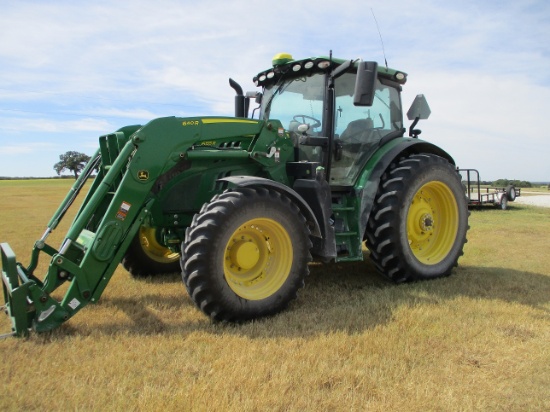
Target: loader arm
119	201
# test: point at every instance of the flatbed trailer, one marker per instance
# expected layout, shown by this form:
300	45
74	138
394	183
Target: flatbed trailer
478	196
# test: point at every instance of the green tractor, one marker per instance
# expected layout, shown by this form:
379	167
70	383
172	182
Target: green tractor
312	167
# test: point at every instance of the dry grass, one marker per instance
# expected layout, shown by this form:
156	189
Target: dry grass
477	340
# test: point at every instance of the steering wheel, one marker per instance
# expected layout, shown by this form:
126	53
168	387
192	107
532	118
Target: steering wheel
316	123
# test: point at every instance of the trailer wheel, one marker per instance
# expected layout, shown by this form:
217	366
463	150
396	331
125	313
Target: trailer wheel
511	193
417	228
147	257
245	254
503	203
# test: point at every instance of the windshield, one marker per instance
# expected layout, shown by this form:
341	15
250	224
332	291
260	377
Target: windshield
296	101
357	132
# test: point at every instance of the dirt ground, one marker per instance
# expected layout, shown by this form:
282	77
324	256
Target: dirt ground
536	200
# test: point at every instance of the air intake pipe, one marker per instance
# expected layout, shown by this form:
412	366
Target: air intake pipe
241	102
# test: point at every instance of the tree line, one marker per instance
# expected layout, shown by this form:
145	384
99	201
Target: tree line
515	183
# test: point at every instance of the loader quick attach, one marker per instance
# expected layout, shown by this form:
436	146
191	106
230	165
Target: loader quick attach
240	205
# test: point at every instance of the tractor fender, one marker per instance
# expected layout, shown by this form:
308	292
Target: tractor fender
404	148
253	181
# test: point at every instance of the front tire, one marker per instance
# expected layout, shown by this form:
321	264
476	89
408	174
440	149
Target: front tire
417	228
245	254
147	257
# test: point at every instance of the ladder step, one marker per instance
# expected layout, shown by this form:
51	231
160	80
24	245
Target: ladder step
342	234
342	209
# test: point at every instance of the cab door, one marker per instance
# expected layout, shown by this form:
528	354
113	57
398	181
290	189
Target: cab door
359	129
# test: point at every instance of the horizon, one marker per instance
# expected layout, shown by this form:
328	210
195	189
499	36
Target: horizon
70	176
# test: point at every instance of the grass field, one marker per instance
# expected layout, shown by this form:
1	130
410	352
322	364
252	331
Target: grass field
478	340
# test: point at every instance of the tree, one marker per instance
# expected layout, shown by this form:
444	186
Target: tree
73	161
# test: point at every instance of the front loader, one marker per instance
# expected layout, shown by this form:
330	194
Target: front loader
241	204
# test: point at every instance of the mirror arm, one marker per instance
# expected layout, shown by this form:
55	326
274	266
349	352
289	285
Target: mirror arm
412	132
340	70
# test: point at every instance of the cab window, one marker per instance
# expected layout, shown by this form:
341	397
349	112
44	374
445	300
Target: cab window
359	129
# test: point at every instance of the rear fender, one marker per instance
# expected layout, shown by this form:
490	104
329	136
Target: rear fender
376	166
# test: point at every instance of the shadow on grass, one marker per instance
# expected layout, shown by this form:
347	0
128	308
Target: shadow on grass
348	297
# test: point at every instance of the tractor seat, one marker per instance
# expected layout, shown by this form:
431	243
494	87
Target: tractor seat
357	131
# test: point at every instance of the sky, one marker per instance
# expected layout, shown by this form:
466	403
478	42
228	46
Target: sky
71	70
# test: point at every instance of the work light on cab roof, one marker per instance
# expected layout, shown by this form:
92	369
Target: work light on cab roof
284	63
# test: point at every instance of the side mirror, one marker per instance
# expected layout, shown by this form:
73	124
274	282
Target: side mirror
419	108
365	84
257	96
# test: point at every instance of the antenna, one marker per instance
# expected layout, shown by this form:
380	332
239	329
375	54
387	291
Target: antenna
380	34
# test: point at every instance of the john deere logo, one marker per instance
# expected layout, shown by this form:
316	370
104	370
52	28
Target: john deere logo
143	175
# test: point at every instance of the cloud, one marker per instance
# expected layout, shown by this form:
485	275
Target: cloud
44	125
26	148
489	122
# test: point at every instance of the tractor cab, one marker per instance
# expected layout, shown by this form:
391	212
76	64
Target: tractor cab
321	103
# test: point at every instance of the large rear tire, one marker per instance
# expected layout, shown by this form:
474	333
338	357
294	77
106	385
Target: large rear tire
418	224
245	254
146	256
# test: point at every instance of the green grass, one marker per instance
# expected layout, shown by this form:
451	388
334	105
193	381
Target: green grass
535	190
477	340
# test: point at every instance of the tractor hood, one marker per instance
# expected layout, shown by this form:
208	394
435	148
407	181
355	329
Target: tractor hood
218	131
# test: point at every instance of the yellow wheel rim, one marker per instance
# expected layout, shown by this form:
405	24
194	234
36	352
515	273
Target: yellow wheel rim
432	222
153	249
258	258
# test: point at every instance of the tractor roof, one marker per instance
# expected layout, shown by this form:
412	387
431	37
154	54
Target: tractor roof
284	62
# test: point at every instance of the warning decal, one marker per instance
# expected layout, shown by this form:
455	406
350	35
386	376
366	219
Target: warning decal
123	210
74	303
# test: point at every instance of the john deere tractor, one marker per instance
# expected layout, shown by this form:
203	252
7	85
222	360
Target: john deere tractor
313	166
